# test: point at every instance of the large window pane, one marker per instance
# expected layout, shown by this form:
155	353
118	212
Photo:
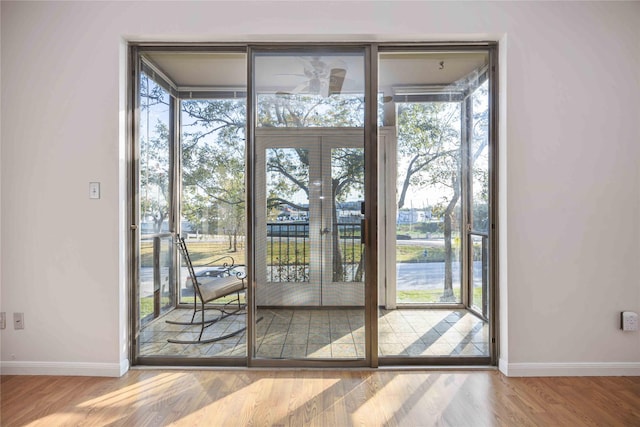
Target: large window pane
203	146
428	201
302	90
156	290
213	190
479	161
308	194
426	97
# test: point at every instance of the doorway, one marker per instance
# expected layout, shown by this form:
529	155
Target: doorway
312	253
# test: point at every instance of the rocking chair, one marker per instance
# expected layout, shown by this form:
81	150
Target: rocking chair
208	289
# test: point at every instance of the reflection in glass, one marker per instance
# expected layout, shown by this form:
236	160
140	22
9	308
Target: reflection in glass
301	90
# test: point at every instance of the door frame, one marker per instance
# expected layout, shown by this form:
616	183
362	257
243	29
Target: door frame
374	161
370	236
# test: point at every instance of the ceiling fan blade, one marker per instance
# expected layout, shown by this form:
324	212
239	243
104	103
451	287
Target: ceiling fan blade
295	91
336	80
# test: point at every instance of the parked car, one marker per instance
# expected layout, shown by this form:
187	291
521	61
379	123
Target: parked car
218	271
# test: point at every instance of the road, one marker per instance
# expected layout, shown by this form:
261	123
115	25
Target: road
430	275
411	276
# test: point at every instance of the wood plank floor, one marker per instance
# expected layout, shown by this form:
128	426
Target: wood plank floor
318	397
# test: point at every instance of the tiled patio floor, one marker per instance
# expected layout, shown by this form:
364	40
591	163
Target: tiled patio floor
325	334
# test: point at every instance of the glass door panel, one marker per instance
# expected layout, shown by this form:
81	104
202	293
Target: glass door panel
191	173
309	169
478	105
344	253
428	238
156	293
288	260
432	263
212	202
480	274
310	288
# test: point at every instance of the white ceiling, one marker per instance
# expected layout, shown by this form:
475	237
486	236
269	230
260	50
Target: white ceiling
279	72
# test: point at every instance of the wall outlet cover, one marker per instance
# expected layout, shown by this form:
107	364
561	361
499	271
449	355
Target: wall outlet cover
629	320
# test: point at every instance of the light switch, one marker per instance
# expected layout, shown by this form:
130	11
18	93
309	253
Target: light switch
94	190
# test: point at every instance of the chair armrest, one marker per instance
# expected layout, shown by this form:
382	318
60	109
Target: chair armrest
229	262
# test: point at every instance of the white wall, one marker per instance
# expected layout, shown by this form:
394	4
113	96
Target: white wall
571	187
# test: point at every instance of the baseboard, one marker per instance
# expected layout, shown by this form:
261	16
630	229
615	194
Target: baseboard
64	368
580	369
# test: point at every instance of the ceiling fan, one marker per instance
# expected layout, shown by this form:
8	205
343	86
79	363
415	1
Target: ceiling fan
321	78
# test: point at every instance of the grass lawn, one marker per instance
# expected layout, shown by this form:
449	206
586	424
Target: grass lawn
431	295
208	253
201	253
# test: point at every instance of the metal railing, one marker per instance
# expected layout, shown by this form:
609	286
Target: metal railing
156	290
480	253
289	252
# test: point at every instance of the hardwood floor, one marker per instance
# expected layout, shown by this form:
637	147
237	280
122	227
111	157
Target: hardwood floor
324	398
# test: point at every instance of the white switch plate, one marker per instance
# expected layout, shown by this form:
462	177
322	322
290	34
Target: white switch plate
94	190
629	321
18	320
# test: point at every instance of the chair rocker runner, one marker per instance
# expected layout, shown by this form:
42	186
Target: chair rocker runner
208	289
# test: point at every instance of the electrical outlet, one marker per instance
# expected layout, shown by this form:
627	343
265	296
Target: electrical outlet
3	320
629	321
18	320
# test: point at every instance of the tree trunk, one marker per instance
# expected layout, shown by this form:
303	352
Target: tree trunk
158	220
405	183
447	294
338	267
235	240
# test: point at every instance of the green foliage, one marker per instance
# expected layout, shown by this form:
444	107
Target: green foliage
427	133
294	110
213	163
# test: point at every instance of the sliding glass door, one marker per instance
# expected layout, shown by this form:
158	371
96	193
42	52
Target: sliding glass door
309	153
438	190
190	172
156	291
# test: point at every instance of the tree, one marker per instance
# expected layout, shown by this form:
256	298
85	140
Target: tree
213	156
154	154
289	167
424	129
430	140
435	162
213	162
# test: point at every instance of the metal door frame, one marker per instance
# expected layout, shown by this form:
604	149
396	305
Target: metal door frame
370	238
